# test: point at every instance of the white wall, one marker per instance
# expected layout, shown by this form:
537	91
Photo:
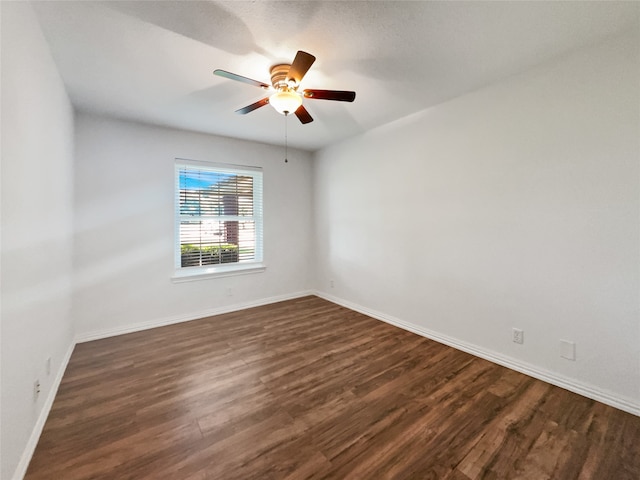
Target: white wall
36	188
513	206
124	226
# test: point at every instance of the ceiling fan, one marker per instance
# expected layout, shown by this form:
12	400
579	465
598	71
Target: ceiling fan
285	80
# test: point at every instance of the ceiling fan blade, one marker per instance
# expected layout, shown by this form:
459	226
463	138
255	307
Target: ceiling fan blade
338	95
300	66
303	115
240	78
253	106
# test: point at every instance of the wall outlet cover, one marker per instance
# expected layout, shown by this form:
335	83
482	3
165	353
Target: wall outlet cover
518	335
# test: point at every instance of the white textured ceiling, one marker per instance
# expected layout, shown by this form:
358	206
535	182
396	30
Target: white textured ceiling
152	61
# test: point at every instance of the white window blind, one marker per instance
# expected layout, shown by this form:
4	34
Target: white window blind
218	217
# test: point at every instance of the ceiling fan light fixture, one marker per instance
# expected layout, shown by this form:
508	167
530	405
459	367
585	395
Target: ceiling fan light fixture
285	101
285	81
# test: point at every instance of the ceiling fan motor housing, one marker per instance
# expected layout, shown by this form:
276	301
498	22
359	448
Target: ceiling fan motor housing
279	77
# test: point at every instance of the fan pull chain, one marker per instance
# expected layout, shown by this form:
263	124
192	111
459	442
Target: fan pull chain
286	146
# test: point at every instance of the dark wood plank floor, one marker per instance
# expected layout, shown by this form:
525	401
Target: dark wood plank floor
306	389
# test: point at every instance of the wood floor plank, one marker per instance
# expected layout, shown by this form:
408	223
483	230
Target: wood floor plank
306	389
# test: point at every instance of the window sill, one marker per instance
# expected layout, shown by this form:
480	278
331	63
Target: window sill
190	274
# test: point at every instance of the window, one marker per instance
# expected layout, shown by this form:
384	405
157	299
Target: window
218	219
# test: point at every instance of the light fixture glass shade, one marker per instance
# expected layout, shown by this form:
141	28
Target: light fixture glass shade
285	101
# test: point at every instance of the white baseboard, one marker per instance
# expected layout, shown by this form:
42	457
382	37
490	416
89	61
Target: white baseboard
23	464
589	391
111	332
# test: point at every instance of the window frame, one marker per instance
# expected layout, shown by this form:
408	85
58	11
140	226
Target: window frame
255	265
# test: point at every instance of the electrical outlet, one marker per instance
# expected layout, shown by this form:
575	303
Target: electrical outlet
229	292
331	284
517	335
48	366
36	390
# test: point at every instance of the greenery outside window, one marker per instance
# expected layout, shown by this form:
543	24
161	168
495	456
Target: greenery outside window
218	210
